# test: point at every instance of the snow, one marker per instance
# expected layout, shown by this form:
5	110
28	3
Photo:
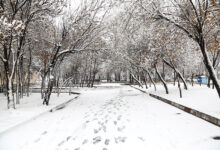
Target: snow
108	85
113	118
198	97
29	107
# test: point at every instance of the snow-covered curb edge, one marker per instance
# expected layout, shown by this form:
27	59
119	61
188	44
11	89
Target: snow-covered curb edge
38	115
194	112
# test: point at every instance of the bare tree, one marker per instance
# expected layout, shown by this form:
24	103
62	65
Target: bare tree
193	18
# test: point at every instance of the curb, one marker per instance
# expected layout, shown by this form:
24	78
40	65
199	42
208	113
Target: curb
189	110
60	106
140	90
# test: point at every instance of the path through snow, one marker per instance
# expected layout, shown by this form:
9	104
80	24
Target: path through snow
114	118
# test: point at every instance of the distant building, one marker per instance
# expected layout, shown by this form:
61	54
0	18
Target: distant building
35	78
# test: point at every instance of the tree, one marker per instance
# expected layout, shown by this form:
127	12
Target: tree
75	36
192	17
16	19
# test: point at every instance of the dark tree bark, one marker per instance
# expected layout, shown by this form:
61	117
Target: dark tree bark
9	86
162	80
145	80
209	80
198	35
29	71
174	77
163	74
192	81
17	85
171	65
48	91
152	81
180	90
139	83
208	65
43	80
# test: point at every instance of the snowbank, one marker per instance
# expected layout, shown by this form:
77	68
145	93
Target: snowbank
29	108
197	97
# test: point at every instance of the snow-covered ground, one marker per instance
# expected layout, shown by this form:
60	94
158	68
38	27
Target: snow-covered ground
29	107
201	98
110	85
114	119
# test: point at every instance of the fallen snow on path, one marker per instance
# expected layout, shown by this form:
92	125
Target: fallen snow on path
201	98
114	119
109	85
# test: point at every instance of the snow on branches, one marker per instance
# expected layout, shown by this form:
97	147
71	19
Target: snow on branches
8	28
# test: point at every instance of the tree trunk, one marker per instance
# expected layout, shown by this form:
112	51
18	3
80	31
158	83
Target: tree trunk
183	73
171	65
130	78
43	85
29	72
162	80
58	84
17	85
21	76
209	66
136	80
9	78
192	79
93	80
163	74
180	90
152	81
48	91
145	80
11	94
181	77
1	81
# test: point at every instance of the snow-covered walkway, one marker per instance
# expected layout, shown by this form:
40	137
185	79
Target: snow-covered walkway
117	118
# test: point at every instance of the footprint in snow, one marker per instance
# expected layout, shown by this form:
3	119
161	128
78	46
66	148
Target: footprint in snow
68	138
85	141
96	131
104	128
119	118
107	142
61	143
97	140
45	132
120	139
37	140
141	138
120	129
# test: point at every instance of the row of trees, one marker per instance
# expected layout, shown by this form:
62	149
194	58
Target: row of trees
66	44
40	36
168	39
17	20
